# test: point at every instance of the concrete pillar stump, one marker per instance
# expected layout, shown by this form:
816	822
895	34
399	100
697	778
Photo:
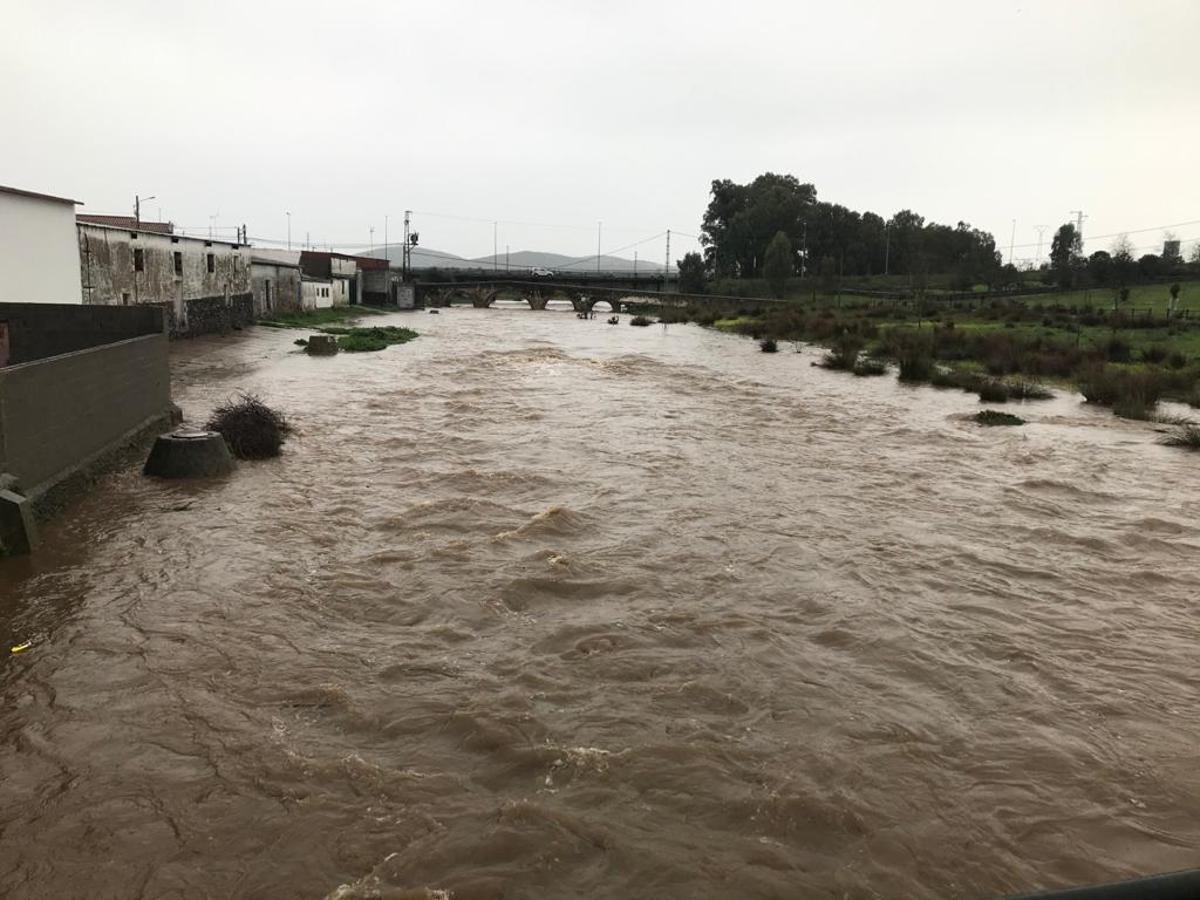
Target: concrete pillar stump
189	453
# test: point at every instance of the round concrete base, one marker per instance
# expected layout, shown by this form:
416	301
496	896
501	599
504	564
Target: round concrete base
322	345
189	453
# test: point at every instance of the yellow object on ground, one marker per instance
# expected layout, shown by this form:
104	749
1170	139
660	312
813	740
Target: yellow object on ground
21	648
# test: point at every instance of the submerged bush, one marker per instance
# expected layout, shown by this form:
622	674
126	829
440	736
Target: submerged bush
768	345
844	354
251	428
365	340
869	366
1129	392
1024	389
992	391
1186	436
995	417
641	321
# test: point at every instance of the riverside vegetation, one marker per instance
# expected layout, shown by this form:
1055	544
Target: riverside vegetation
1002	349
351	338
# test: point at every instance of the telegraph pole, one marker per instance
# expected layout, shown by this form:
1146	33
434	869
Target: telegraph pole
1041	230
1079	217
385	243
404	252
667	262
1012	240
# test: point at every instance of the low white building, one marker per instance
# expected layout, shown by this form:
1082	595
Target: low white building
316	292
39	256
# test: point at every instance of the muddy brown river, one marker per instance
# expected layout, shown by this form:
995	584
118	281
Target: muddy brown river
535	607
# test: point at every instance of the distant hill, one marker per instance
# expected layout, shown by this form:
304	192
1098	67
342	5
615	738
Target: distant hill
426	257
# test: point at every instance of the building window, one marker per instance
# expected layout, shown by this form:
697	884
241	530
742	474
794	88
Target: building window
212	266
139	259
178	264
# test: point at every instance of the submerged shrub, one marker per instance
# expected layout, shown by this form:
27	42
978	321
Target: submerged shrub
1131	393
251	428
768	345
1024	389
641	321
993	391
870	366
844	354
1186	436
995	417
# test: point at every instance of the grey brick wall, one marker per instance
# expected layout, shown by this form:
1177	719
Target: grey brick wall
57	414
38	330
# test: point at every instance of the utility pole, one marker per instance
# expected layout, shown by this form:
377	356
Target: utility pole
289	218
404	252
385	243
667	262
1041	230
1079	217
599	231
1012	240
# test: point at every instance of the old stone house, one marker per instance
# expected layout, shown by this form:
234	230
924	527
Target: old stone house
203	284
276	281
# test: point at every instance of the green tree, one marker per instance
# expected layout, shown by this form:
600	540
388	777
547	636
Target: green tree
1065	252
691	273
777	263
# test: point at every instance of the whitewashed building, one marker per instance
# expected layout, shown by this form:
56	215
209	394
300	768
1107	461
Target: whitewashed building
39	258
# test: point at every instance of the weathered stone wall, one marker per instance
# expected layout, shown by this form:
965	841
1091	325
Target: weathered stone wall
276	288
109	262
36	331
213	315
62	413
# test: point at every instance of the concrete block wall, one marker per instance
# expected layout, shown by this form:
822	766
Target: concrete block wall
36	331
62	413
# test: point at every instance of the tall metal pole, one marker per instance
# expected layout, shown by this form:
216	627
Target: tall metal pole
1041	230
385	243
667	261
404	256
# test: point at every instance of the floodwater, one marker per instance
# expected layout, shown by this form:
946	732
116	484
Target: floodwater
538	607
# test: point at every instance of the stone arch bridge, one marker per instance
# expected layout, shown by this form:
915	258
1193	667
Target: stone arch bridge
482	294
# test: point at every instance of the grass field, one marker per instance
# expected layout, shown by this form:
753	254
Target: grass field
1141	297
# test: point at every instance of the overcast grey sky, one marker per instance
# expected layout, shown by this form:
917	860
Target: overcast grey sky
566	113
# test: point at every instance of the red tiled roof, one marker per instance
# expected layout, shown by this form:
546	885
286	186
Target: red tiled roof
126	222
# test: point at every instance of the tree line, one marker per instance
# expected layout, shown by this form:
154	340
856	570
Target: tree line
818	237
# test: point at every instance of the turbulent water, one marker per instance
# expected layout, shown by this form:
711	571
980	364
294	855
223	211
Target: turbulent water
537	607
